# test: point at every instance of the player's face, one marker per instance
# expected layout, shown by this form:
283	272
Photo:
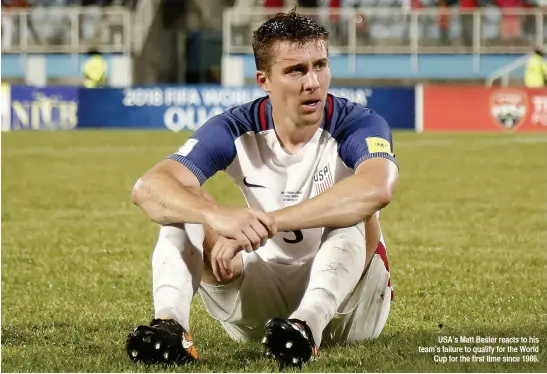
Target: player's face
298	81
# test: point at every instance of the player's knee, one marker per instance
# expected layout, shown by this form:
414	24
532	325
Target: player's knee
173	244
171	236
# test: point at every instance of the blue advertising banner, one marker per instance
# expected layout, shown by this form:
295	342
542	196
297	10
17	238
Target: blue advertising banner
188	107
48	108
397	105
175	108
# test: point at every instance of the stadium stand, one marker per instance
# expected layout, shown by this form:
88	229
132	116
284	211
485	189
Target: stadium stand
385	22
48	26
184	41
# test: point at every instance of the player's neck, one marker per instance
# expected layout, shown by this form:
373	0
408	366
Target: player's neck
293	137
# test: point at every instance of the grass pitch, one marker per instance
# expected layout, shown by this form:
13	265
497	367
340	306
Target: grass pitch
466	236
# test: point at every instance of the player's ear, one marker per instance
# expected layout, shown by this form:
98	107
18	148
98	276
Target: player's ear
263	81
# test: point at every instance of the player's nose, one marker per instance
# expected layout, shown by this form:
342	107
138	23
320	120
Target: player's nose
311	81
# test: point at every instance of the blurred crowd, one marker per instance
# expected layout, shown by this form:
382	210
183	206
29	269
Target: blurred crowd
49	27
499	24
411	4
500	20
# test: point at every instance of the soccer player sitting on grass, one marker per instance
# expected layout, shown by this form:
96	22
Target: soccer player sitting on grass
305	263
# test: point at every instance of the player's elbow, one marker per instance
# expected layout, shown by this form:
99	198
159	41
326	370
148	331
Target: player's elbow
383	197
385	188
376	180
140	192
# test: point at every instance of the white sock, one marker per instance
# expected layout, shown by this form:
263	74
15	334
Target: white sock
176	267
335	272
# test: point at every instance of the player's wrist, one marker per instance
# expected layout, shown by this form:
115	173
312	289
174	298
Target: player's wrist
282	220
208	213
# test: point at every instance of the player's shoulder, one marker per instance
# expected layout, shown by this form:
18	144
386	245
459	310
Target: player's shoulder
240	119
348	115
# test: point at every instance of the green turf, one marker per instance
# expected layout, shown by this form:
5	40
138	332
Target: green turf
466	235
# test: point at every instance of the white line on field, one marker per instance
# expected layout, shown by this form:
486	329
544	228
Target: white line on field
537	140
168	149
100	149
441	142
419	143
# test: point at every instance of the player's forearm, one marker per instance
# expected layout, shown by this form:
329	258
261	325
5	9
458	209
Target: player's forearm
345	204
166	201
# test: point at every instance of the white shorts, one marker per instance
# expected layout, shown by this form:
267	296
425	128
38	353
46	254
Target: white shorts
267	290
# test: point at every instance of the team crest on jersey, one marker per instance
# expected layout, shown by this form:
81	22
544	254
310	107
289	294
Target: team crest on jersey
322	180
508	107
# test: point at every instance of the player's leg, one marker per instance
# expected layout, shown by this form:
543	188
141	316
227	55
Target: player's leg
176	271
365	313
336	279
336	270
177	268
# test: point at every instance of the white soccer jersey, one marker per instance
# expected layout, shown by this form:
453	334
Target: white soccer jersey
242	141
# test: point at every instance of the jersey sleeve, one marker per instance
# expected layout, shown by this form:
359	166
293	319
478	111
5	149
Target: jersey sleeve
210	149
362	136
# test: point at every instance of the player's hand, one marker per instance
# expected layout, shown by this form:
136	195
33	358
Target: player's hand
222	255
250	227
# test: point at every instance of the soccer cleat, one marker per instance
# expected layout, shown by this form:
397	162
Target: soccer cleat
163	341
289	341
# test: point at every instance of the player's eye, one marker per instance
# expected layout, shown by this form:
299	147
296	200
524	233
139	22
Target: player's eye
296	71
320	65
